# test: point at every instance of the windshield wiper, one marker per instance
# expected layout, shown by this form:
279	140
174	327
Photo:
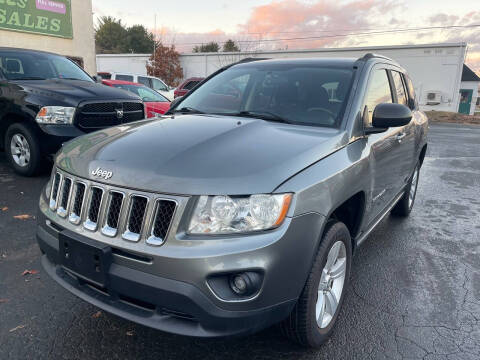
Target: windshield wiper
71	78
188	110
264	115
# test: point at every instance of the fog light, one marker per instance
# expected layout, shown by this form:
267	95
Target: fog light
245	284
239	284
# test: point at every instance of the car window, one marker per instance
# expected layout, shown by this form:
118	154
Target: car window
378	92
147	94
145	81
190	85
124	77
410	88
39	66
292	92
400	89
159	85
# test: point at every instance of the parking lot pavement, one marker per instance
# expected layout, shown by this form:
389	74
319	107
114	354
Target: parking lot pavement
415	289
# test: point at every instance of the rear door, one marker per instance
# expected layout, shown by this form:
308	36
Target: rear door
406	137
384	147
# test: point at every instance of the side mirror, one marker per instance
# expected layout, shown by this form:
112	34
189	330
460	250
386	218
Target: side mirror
97	78
391	115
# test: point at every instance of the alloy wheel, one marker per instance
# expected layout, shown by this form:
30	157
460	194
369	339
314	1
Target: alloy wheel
331	284
20	150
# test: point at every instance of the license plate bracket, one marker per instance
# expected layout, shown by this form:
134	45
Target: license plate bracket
85	258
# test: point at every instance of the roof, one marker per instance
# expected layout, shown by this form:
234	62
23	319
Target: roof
330	62
468	74
31	51
119	82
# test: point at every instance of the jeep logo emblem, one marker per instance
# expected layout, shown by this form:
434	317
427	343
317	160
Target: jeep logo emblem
119	113
102	173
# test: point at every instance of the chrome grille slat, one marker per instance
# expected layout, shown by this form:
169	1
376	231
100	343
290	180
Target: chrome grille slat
64	197
161	221
108	211
77	205
93	208
55	190
135	218
112	213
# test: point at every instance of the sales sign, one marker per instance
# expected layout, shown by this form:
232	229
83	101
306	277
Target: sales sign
47	17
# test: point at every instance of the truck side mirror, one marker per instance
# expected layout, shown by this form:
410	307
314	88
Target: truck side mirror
97	78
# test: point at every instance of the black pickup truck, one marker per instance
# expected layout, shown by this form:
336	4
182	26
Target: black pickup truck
47	99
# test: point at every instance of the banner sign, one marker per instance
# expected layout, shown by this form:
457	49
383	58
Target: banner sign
47	17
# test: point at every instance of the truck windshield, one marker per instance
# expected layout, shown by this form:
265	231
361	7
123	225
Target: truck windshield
39	66
291	93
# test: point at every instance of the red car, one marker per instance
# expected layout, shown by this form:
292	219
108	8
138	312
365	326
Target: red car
186	86
155	103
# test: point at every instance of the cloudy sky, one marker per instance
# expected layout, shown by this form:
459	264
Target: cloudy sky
281	24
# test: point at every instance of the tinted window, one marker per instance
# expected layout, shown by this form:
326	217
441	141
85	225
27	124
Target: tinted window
190	85
378	92
124	77
39	66
145	81
293	92
400	90
159	85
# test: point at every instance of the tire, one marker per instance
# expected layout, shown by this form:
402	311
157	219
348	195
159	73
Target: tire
20	137
301	326
404	206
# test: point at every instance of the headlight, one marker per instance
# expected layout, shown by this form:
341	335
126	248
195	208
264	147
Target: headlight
225	214
55	115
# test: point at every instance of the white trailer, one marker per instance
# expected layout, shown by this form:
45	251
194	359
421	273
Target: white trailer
436	69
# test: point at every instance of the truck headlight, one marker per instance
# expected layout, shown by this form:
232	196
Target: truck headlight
232	214
55	115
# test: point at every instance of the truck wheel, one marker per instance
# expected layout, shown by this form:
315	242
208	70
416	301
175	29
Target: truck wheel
405	204
314	316
23	150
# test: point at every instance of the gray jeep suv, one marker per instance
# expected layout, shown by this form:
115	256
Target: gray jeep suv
244	206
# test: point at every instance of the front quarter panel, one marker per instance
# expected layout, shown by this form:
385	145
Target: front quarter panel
327	184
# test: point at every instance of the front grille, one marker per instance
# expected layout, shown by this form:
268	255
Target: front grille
94	116
112	211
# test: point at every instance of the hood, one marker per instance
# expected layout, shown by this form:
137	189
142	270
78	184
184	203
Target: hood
200	154
73	91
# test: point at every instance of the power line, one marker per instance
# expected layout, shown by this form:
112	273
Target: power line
344	35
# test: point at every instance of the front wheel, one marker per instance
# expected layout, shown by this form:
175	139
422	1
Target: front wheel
405	204
23	150
314	316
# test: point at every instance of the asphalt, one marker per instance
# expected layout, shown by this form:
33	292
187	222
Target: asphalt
414	294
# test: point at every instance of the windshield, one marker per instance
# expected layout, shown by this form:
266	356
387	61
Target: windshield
147	94
39	66
297	94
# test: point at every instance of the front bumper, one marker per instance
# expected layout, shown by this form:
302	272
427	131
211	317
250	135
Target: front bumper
172	294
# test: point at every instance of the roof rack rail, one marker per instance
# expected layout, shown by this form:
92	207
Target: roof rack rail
369	56
250	59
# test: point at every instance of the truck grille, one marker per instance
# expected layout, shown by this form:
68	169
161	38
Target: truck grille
112	212
99	115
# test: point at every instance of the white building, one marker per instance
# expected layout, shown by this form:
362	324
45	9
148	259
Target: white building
436	69
62	26
469	98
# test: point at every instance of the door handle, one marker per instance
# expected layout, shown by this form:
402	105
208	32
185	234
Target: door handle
400	136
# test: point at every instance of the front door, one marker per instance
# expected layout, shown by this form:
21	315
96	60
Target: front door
385	147
465	101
